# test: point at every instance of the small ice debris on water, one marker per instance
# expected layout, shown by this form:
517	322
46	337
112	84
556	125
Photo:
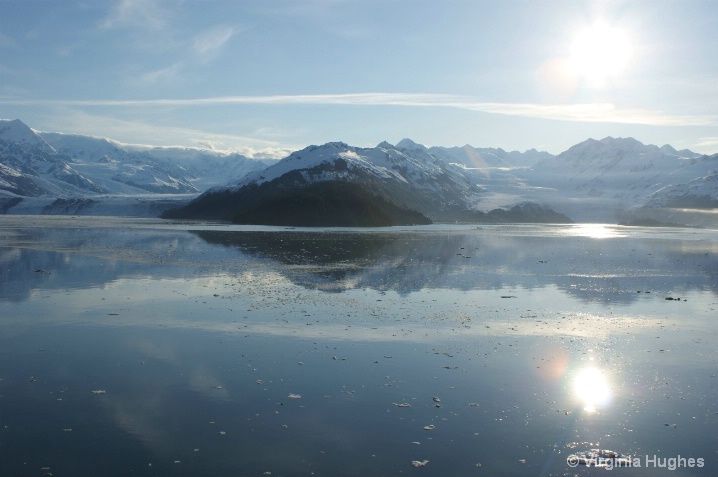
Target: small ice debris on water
217	387
430	427
402	404
294	396
419	463
99	391
523	461
474	404
600	458
436	399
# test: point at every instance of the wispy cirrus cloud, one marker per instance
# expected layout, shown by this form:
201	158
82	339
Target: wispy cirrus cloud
144	134
587	112
144	14
212	39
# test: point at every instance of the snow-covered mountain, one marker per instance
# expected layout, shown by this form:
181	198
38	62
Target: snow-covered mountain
603	180
698	193
597	180
405	176
483	159
151	169
416	174
620	168
32	167
42	164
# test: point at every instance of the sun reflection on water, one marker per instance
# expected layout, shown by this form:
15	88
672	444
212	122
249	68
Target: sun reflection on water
592	388
596	231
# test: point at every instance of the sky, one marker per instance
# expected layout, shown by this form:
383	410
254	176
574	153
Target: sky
267	77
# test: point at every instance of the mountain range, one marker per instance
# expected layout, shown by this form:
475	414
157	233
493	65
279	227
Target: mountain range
609	180
341	185
44	165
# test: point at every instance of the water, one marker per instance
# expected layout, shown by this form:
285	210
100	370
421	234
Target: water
540	342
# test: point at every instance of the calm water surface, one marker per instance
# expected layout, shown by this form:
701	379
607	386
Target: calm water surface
150	348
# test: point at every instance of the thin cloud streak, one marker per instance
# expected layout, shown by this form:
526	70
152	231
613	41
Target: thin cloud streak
144	14
588	112
212	40
142	135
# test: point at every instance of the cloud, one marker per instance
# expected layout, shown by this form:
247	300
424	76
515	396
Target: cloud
706	145
162	75
187	54
212	40
588	112
143	134
143	14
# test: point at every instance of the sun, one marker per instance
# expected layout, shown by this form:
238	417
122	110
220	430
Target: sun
599	54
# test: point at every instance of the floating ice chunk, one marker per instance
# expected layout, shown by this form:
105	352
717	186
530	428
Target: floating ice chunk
419	463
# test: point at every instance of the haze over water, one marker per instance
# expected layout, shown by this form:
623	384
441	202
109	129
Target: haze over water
142	347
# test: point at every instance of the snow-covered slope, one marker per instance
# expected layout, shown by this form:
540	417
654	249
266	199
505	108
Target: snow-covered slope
698	193
43	171
34	164
151	169
361	179
488	158
414	180
207	168
621	168
597	179
594	181
494	171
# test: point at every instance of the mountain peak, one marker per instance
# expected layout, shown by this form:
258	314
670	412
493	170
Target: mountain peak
410	145
623	142
16	131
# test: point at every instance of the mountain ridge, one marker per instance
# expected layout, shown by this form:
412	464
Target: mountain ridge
407	178
597	180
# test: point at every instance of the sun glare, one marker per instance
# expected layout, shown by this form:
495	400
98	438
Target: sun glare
599	54
592	389
594	231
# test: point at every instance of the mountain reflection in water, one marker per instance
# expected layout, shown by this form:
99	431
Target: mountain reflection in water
615	270
164	349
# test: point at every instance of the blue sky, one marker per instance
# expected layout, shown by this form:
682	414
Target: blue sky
268	76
